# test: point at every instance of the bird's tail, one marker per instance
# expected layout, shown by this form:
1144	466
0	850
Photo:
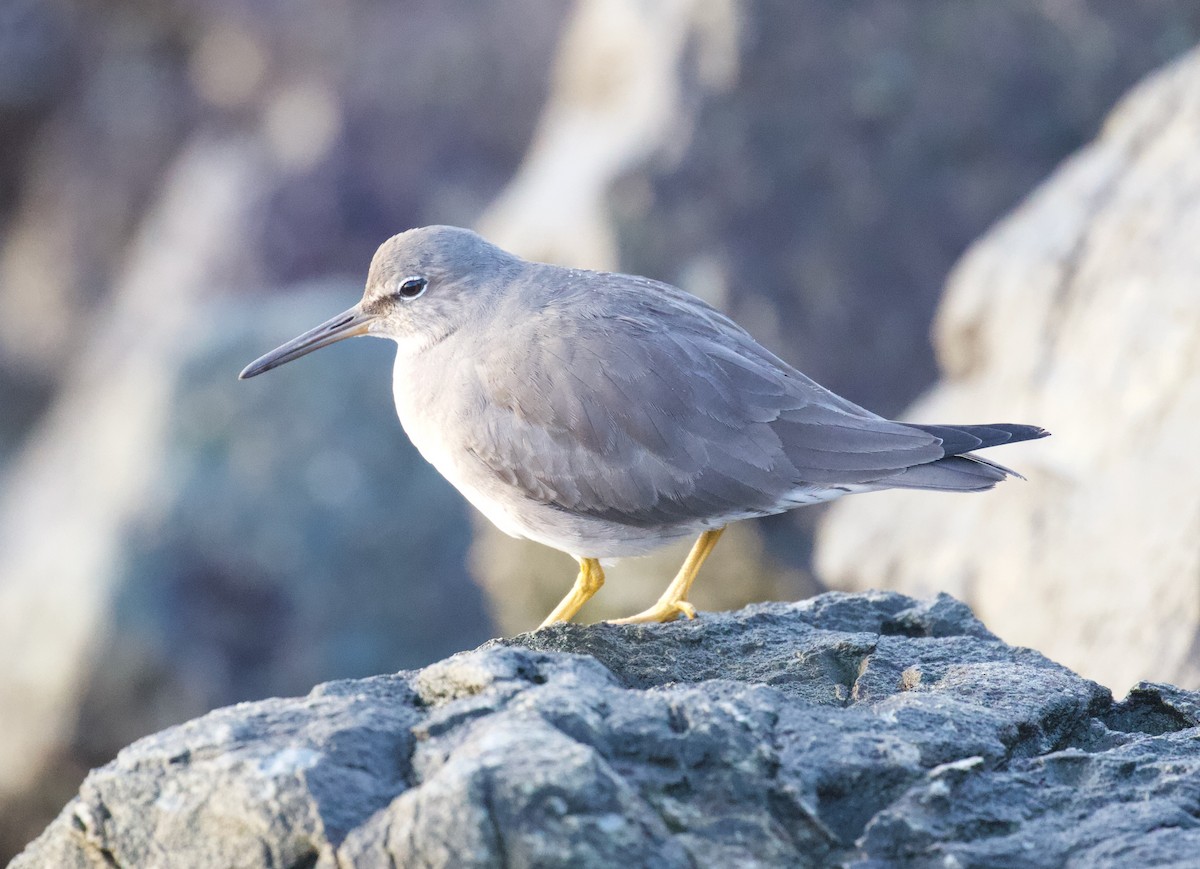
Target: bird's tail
960	471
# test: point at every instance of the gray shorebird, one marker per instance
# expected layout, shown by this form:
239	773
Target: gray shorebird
605	415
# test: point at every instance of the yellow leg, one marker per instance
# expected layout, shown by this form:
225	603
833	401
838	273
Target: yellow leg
673	602
590	578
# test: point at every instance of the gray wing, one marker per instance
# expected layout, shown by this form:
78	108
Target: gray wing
632	401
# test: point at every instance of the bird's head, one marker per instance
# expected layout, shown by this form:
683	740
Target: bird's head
422	285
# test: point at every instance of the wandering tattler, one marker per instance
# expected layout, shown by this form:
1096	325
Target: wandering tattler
605	415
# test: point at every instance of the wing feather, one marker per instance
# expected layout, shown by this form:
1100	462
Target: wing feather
632	401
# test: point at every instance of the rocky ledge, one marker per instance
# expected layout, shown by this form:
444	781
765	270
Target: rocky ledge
865	730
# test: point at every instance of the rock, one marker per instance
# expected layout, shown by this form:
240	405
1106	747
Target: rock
867	730
805	190
1080	313
98	100
196	150
174	540
814	170
154	161
89	469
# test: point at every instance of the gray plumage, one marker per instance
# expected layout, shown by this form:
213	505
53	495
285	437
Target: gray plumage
604	414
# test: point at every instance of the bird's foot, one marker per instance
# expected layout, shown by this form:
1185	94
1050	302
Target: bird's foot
589	581
663	611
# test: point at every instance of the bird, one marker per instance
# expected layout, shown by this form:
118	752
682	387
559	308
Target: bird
606	415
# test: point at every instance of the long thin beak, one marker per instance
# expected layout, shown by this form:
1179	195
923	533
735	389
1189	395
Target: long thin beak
345	325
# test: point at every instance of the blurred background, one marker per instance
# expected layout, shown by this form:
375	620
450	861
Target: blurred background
184	184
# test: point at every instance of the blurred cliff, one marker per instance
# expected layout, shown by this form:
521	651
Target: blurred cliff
1081	310
171	540
185	183
814	170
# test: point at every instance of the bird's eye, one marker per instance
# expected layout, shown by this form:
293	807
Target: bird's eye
412	288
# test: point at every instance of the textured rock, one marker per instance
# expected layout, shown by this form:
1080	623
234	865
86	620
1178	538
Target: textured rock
1080	312
848	729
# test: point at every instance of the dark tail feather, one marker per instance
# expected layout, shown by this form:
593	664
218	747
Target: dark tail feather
959	439
959	471
952	474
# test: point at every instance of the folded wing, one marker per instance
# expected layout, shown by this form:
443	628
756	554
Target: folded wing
647	407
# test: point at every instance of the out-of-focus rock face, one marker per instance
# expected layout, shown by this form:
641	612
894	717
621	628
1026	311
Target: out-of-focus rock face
814	170
865	730
372	117
252	539
172	540
805	166
1080	312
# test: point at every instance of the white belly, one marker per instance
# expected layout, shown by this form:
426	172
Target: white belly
427	419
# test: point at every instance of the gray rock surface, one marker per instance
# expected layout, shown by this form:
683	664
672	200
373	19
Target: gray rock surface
867	730
1079	312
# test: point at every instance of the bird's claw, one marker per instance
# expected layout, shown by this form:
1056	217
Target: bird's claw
663	611
686	608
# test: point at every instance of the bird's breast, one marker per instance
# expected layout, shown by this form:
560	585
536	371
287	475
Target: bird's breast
434	394
429	399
